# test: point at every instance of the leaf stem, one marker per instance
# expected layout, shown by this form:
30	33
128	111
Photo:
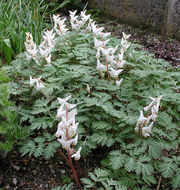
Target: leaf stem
73	170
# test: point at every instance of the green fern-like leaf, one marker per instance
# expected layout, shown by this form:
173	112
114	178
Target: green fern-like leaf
175	181
167	168
65	187
88	183
50	149
29	147
130	164
143	167
117	159
149	179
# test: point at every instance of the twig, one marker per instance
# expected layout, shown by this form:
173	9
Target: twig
159	183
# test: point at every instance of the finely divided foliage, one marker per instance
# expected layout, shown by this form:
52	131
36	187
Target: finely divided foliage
110	86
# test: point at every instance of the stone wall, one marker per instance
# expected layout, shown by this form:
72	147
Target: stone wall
161	15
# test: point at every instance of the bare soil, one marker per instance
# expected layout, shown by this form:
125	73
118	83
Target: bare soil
161	46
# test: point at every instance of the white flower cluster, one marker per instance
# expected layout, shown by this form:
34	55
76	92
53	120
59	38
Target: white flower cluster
67	127
59	25
113	59
143	125
39	83
31	50
78	23
46	46
113	63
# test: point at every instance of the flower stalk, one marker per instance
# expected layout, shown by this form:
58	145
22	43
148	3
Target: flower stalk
67	130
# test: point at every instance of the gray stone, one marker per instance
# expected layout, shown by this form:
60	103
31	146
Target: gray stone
160	15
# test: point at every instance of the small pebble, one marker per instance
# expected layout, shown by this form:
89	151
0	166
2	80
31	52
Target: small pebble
14	181
62	171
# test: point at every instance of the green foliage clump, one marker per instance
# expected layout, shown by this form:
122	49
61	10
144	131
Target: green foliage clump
15	22
64	187
10	132
107	113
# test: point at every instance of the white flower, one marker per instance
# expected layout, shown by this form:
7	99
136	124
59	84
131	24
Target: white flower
98	43
149	106
44	52
154	106
49	37
136	129
77	155
72	113
147	130
61	112
30	47
98	54
73	128
62	30
114	73
96	31
66	144
126	37
101	67
141	119
67	122
63	101
73	13
39	85
32	81
104	35
125	45
118	83
29	38
105	52
70	106
74	25
32	52
158	102
110	58
73	18
88	89
84	16
48	59
113	50
59	23
28	57
120	64
60	133
75	140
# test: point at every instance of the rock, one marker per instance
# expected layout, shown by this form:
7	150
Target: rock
62	171
162	16
34	172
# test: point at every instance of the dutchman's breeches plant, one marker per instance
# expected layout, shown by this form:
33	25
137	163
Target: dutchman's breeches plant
143	125
67	130
82	89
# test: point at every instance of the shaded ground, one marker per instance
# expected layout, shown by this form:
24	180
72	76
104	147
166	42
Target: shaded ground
25	173
163	47
28	173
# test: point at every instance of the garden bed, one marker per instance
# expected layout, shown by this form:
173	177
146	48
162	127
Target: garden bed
107	113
